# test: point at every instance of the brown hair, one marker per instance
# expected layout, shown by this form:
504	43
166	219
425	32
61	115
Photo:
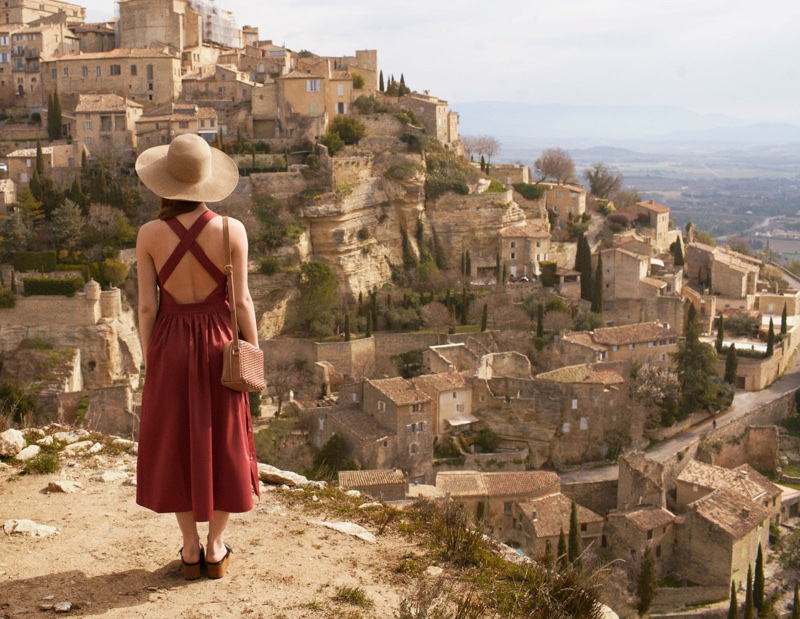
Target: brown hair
170	208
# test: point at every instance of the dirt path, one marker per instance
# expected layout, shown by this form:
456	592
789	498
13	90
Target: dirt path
115	559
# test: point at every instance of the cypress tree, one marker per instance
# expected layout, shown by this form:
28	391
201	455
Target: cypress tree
720	335
540	320
597	285
733	607
690	330
749	609
50	117
369	325
39	158
483	164
452	328
380	82
561	551
679	259
784	325
647	582
548	559
35	185
218	142
464	305
497	267
731	365
484	317
375	310
504	274
468	266
574	546
13	282
795	605
758	581
56	115
347	327
463	263
770	339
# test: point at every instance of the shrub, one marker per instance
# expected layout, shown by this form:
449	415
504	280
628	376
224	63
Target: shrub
333	141
487	440
741	324
269	265
43	464
496	187
404	172
47	286
368	104
349	128
41	261
530	191
409	117
548	276
413	141
358	81
7	298
312	161
363	234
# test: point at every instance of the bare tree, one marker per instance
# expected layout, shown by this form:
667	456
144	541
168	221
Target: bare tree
602	180
626	197
471	146
435	316
555	163
491	146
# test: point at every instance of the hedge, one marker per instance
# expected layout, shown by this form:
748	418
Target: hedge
530	191
548	276
48	286
41	261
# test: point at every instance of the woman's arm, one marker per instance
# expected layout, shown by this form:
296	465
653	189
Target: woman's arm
245	311
148	294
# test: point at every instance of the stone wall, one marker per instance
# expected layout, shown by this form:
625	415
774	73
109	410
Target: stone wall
670	599
667	310
351	170
44	310
384	126
759	447
502	461
758	373
111	410
599	496
354	358
278	184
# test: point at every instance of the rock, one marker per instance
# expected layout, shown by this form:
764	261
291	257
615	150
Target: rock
315	499
33	433
4	466
11	442
66	437
350	528
47	441
30	452
131	481
74	449
109	476
134	450
62	607
372	505
353	493
122	443
67	487
96	448
271	475
28	528
434	570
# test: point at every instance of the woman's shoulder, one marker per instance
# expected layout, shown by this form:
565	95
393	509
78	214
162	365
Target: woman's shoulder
151	229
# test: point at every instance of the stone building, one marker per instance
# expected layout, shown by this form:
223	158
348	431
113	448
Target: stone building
656	219
96	38
451	398
106	124
522	247
566	200
150	76
647	342
261	60
536	521
61	162
435	114
623	273
382	484
316	90
223	83
630	533
27	11
8	195
510	173
731	274
162	125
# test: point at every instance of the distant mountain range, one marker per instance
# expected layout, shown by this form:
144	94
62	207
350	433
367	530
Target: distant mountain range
518	125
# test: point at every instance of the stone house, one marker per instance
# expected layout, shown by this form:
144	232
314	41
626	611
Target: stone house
260	60
317	90
27	11
536	521
107	123
656	217
732	274
698	479
223	83
522	247
150	76
435	114
566	200
8	195
630	533
61	162
99	37
510	173
623	273
491	495
382	484
162	125
451	398
718	538
647	342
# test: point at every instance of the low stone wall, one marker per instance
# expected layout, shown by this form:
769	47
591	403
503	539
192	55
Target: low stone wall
43	310
599	496
759	447
111	410
678	597
503	461
278	184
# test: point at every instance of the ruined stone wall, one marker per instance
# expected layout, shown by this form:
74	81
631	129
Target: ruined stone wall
599	496
667	310
41	310
759	447
351	170
111	410
278	184
383	126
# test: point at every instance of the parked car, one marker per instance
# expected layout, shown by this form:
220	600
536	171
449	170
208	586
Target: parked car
3	168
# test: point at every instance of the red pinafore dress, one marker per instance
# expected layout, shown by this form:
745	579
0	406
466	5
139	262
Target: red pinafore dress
196	447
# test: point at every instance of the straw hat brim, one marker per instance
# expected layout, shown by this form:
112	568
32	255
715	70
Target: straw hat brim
151	166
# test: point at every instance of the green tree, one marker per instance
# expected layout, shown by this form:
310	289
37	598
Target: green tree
30	209
720	334
646	582
484	317
468	267
749	608
14	235
731	365
561	550
358	80
318	289
333	141
679	258
597	287
784	323
574	545
695	363
583	264
16	403
67	225
758	581
483	164
540	320
369	325
380	82
602	181
733	607
39	158
332	458
349	128
53	117
771	339
347	327
795	604
548	558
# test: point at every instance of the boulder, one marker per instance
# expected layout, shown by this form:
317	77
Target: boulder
96	448
67	487
350	528
47	441
33	433
75	449
11	442
28	528
30	452
109	476
67	437
271	475
122	443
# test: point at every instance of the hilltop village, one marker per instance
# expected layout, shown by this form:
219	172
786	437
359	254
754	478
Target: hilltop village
547	355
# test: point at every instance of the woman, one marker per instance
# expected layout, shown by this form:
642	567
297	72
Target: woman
196	448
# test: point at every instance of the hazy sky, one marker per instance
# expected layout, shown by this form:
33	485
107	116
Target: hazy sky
738	57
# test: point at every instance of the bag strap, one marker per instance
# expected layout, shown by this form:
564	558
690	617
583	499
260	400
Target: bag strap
229	274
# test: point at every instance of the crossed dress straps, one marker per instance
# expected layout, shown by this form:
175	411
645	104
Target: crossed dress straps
187	242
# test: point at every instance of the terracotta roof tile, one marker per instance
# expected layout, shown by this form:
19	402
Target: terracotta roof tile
649	518
730	511
30	152
525	229
461	483
374	477
400	391
103	103
550	514
585	374
142	52
444	381
584	338
363	426
652	206
744	480
652	281
518	482
632	334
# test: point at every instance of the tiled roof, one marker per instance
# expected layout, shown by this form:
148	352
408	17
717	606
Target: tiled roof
103	103
552	185
550	514
584	338
400	391
632	334
652	206
525	229
30	152
444	381
730	511
461	483
745	480
652	281
738	261
362	425
121	52
582	374
626	252
649	518
375	477
519	482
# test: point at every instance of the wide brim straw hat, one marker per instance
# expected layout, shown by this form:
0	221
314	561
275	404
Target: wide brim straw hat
188	169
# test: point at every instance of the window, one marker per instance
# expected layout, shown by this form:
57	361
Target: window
313	111
312	85
184	124
415	408
28	162
222	88
584	527
650	344
649	535
454	395
149	71
66	71
506	507
84	71
4	40
54	73
340	90
222	77
211	124
565	428
115	69
381	406
413	448
513	255
584	423
87	125
658	551
354	397
574	404
631	346
202	123
341	108
513	244
460	408
98	70
133	70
